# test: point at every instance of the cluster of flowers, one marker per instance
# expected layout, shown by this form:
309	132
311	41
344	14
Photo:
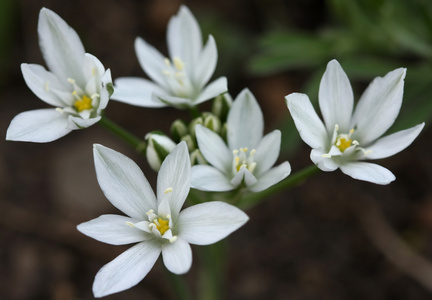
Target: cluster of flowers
230	150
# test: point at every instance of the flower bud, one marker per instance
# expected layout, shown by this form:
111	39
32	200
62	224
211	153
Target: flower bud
197	158
221	106
190	142
212	122
194	123
178	130
158	147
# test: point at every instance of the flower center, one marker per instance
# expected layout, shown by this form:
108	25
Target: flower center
83	103
177	79
244	158
161	225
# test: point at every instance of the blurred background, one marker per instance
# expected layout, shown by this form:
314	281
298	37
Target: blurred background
330	238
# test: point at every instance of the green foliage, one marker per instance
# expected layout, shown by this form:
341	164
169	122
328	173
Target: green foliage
369	38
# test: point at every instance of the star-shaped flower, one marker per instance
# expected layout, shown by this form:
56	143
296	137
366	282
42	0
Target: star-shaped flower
155	223
179	80
247	157
77	85
347	138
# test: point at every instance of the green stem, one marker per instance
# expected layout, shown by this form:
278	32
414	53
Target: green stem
254	198
128	137
211	279
180	287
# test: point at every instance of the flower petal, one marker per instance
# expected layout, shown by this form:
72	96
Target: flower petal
271	177
379	106
177	256
114	230
61	47
214	149
393	143
309	125
208	178
336	98
126	270
41	82
150	60
325	164
212	90
137	91
38	126
123	182
368	172
243	176
184	37
267	152
75	123
208	223
174	179
206	63
245	122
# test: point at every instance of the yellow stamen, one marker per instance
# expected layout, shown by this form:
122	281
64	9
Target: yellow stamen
168	190
130	224
343	144
83	103
162	225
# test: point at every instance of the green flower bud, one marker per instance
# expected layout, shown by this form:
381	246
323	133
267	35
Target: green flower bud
158	147
212	122
194	123
221	106
178	129
197	158
190	141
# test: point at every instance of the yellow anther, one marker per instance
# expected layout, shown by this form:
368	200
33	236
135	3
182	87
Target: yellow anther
235	151
178	64
167	62
71	81
83	104
59	110
149	212
168	190
47	86
173	239
162	225
130	224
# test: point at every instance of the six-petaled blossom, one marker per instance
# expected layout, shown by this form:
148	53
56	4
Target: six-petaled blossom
155	223
77	85
347	138
247	157
179	80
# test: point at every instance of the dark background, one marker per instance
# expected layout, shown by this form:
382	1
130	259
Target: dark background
330	238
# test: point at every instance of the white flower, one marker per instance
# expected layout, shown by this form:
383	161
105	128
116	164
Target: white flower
248	156
346	138
180	80
155	223
77	85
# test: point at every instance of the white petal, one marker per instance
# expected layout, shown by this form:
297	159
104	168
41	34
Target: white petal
123	182
174	179
323	163
309	125
267	152
206	63
207	178
104	93
39	126
393	143
243	176
368	172
208	223
184	37
61	47
151	61
92	67
75	123
113	229
42	83
212	90
214	149
126	270
177	256
336	98
245	122
137	91
379	106
271	177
